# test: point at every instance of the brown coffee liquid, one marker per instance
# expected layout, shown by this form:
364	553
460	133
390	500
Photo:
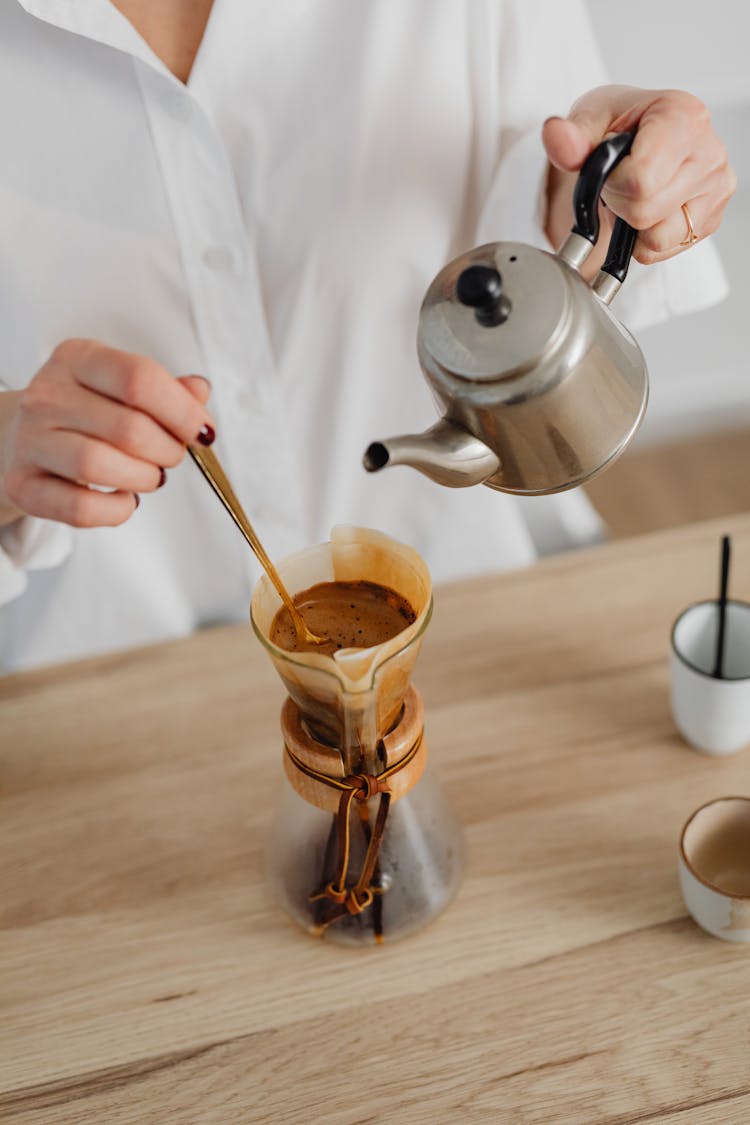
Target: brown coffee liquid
351	614
723	858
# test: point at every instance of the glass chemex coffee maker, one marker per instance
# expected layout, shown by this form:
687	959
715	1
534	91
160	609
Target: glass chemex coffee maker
364	847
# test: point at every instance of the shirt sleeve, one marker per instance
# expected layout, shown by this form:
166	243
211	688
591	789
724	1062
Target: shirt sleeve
548	58
29	544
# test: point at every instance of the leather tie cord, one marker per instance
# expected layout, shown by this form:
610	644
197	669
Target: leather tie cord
356	787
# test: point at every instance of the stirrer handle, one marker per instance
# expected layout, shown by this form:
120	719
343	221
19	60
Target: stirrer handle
723	585
210	466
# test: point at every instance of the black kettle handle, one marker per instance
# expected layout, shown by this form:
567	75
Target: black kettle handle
596	167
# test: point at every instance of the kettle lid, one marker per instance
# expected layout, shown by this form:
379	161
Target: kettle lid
494	312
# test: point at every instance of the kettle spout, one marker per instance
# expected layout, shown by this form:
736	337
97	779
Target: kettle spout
445	453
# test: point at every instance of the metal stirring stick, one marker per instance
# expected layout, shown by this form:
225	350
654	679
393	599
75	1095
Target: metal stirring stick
210	466
723	585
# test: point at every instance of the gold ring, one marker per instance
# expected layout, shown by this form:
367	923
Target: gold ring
691	235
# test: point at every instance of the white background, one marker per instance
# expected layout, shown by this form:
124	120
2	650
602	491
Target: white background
700	376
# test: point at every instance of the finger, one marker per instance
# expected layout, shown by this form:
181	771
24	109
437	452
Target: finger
643	213
664	143
48	497
683	113
198	385
705	206
143	384
666	124
609	109
86	460
566	144
671	236
568	141
131	431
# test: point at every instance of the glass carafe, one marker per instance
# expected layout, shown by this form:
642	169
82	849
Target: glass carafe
364	846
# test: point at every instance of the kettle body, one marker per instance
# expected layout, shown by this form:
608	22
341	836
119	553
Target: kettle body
573	389
539	385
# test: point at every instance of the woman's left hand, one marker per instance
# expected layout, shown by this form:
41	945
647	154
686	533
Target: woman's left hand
676	159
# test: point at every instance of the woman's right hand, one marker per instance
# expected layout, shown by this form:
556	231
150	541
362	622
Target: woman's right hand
93	415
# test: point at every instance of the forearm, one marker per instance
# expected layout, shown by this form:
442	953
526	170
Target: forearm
9	403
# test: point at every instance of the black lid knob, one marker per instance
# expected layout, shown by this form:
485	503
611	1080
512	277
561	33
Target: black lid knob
481	288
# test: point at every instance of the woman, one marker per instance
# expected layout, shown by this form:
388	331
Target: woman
261	193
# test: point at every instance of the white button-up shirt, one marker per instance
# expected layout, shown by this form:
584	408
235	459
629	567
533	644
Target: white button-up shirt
272	225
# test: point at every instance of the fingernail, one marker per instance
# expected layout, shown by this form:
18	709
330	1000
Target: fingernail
554	117
162	477
207	435
196	375
137	499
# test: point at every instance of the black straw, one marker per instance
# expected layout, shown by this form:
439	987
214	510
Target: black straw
719	665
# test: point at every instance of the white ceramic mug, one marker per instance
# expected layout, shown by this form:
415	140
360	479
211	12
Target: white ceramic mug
714	867
712	714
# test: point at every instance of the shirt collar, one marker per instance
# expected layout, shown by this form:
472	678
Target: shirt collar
98	20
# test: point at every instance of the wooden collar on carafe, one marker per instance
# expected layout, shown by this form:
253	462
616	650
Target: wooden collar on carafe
405	751
316	771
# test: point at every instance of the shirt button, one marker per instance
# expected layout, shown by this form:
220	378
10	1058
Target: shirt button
218	258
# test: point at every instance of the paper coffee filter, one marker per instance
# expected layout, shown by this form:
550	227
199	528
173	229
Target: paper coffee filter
359	553
319	684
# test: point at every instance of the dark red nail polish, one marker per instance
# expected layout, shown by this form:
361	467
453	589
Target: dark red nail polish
207	436
137	499
162	477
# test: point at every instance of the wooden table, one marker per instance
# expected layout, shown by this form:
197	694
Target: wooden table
146	974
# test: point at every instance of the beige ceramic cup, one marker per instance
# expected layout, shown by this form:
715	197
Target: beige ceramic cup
714	867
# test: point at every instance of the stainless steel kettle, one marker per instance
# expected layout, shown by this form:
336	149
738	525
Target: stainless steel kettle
540	385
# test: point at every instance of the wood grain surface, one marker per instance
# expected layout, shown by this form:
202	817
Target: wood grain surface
146	974
704	476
